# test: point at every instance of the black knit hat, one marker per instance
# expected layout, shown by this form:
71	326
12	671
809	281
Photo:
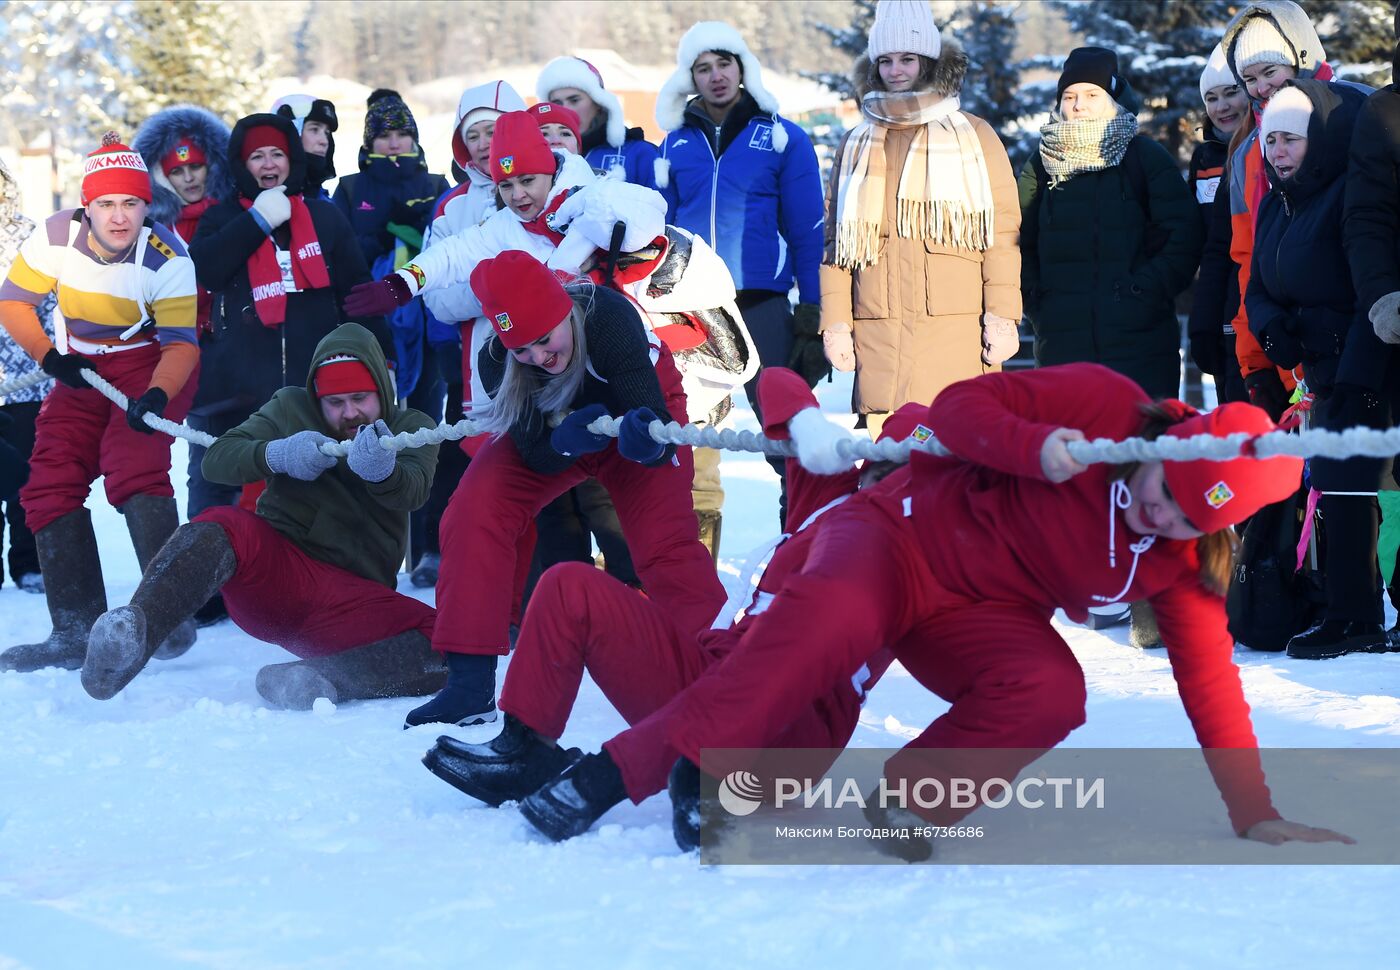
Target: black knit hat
1091	65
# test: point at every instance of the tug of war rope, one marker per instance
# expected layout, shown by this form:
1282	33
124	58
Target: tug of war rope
848	447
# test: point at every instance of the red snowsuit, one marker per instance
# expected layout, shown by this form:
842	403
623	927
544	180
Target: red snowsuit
639	656
959	567
500	495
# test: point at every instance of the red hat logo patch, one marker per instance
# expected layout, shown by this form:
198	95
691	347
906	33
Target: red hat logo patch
503	322
507	163
1218	494
182	152
921	433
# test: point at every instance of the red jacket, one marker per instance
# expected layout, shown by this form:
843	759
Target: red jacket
994	529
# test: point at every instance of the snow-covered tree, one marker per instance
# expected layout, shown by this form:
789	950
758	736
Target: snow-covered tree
185	52
1358	36
849	41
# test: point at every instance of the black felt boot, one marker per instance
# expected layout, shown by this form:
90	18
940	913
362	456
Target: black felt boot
151	520
189	568
571	802
684	788
403	665
73	578
510	766
469	697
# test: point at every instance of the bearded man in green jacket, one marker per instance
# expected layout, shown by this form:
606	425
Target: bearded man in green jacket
314	570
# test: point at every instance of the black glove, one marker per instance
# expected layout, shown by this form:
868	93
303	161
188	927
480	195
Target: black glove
1208	351
66	368
412	212
1266	391
1353	406
1281	346
152	402
808	356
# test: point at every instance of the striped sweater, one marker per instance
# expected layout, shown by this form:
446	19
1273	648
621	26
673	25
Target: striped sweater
99	300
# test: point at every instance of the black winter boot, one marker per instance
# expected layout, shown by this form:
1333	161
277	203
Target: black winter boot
897	831
510	766
188	569
569	804
425	574
469	697
684	788
73	572
151	520
1335	638
404	665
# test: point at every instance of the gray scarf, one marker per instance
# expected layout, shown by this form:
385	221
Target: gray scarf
1069	147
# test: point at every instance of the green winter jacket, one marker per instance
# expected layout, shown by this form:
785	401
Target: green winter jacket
1100	274
339	518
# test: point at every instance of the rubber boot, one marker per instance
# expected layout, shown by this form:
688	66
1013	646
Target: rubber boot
73	572
571	802
469	696
189	568
151	520
510	766
710	523
403	665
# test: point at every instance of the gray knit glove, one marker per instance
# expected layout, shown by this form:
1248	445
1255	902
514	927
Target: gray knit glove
299	456
1385	318
367	457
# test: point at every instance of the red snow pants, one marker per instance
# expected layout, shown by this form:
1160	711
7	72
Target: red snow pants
498	499
281	595
1012	680
80	435
580	618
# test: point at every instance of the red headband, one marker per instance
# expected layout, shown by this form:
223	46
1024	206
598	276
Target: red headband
262	136
343	375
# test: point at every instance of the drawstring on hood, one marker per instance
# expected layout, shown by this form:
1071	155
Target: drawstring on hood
1120	498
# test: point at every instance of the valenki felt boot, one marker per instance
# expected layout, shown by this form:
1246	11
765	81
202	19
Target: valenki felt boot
151	520
68	557
403	665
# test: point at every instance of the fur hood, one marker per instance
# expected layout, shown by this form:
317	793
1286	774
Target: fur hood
159	134
1292	22
713	35
949	71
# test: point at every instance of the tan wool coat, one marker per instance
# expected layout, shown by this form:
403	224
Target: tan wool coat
917	312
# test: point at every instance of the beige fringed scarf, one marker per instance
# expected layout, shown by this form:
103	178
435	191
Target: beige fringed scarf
944	192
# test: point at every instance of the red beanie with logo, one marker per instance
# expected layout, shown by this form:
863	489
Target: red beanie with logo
1216	494
343	374
262	136
547	113
521	297
185	152
518	148
115	169
907	422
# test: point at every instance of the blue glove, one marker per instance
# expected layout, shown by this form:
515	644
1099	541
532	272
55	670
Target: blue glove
634	440
572	437
369	459
299	456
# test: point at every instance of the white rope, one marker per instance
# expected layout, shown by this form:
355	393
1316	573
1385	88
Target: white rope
23	383
1314	443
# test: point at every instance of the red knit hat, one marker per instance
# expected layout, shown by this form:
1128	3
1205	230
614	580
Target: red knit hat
343	374
262	136
907	422
185	152
518	294
115	169
1216	494
518	148
557	114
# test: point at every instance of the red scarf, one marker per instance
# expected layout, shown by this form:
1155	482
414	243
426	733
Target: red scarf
188	219
540	224
308	266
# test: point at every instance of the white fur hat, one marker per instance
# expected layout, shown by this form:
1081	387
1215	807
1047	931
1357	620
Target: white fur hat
489	100
1289	110
575	72
713	35
1217	72
903	25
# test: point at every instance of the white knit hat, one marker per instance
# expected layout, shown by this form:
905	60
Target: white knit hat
903	25
1259	42
1217	72
575	72
1289	110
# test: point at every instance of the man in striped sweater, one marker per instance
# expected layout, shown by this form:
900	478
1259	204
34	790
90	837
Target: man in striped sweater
126	291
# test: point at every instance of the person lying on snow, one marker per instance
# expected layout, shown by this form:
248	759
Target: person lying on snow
314	570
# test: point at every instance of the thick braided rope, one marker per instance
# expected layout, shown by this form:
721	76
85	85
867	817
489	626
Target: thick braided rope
1352	443
23	383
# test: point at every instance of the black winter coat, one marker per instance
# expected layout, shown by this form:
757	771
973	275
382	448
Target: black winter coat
1100	275
243	363
397	189
1372	218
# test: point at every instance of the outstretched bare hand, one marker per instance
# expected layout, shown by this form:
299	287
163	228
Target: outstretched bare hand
1276	831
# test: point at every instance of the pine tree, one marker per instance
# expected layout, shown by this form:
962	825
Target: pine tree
184	52
987	32
1357	36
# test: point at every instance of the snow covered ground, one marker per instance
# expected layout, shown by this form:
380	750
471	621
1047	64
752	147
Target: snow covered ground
183	824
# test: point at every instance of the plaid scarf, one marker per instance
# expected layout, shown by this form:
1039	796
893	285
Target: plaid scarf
1069	147
944	192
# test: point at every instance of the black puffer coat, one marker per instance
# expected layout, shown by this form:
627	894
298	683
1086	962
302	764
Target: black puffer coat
243	361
